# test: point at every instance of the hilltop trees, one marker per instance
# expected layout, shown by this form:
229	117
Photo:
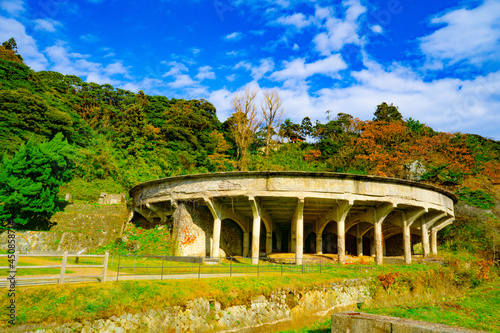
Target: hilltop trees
30	181
272	113
244	123
386	112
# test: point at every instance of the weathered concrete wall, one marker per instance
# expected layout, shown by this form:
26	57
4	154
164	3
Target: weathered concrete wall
79	227
367	323
193	231
202	315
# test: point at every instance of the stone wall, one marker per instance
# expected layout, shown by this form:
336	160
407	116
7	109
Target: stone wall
193	232
202	315
79	227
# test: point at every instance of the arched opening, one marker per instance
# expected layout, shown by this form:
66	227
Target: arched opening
275	243
231	238
310	243
351	247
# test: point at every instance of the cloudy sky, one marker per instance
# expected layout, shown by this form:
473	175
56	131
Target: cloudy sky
439	61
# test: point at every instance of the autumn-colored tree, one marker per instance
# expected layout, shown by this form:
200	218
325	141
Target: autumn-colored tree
244	123
272	112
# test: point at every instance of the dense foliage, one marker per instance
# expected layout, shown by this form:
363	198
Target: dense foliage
30	181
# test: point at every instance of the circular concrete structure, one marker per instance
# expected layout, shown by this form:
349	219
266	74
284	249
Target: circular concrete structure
297	210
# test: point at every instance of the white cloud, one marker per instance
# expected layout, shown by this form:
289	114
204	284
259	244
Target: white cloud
231	77
471	35
339	31
266	65
176	68
234	36
205	72
48	25
26	45
377	29
89	38
295	47
115	68
298	20
298	69
13	7
181	81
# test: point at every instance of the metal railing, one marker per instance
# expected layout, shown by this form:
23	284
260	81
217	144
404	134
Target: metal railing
134	267
160	267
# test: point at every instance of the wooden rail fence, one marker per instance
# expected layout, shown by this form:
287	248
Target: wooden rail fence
14	268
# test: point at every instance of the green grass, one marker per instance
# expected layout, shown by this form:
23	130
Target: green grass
475	309
92	301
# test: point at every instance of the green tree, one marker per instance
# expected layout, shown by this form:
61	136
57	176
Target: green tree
30	180
385	112
10	44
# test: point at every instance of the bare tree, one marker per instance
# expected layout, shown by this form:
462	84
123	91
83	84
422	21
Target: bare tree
244	123
272	113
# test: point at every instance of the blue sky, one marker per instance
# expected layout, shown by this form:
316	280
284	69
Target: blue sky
439	61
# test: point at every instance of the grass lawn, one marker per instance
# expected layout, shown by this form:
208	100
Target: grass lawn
79	302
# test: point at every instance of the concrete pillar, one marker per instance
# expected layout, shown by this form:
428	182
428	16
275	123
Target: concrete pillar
293	240
278	240
372	244
299	232
255	231
216	242
255	240
341	241
434	249
359	243
246	241
379	216
425	237
379	251
406	240
269	243
319	243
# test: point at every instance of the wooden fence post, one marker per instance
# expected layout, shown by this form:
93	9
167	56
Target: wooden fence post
105	267
63	267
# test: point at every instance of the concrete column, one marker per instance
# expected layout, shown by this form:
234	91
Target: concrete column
379	251
293	240
379	216
434	248
246	241
216	242
319	243
255	240
255	231
278	241
269	243
425	238
359	243
299	232
341	241
406	240
372	244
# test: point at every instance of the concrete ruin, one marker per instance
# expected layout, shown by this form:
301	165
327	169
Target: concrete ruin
259	213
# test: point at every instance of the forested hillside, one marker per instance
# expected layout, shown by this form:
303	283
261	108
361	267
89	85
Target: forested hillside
122	138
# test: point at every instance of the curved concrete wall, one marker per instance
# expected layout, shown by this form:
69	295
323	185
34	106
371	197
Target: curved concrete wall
303	201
